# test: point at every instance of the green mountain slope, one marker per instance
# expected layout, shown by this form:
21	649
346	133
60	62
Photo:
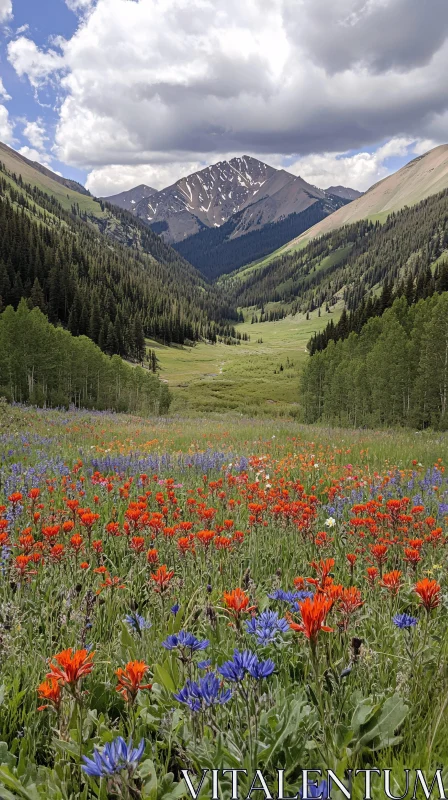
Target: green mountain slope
95	268
348	263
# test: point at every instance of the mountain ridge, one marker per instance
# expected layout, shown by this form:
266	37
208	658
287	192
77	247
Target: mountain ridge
420	178
211	196
127	200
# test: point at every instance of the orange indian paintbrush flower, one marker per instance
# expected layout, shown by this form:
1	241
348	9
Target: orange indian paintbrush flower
237	602
429	593
130	680
162	578
314	612
392	581
50	690
71	666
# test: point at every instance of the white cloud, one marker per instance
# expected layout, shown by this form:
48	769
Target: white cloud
6	126
109	180
359	171
5	10
35	133
153	88
35	155
79	5
3	93
38	65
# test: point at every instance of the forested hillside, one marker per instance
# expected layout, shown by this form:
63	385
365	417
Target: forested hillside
108	277
350	262
395	372
45	365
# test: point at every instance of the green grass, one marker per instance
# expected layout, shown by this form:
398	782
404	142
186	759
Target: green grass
65	196
244	378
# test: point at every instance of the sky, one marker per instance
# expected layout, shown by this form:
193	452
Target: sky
114	93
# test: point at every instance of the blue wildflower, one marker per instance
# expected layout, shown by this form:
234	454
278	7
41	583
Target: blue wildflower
174	609
246	663
404	621
137	623
202	694
261	669
115	757
236	670
204	664
185	641
285	597
267	627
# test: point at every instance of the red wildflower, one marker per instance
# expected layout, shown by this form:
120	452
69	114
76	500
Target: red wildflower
71	666
372	574
57	552
237	602
137	544
412	556
314	612
21	563
429	593
15	498
392	581
379	553
349	602
50	690
162	578
205	537
130	680
152	556
76	542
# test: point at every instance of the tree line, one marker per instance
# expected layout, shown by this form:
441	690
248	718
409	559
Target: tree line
394	372
43	364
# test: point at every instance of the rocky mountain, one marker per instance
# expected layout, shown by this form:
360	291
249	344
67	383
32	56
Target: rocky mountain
344	192
202	214
210	197
129	200
95	268
204	199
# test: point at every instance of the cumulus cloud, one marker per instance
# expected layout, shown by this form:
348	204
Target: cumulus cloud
168	84
377	34
3	93
35	155
359	171
35	133
38	65
5	10
105	181
79	6
6	126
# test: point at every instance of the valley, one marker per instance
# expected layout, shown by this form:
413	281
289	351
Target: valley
234	335
245	378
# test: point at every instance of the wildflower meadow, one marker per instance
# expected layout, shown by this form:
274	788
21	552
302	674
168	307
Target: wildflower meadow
189	595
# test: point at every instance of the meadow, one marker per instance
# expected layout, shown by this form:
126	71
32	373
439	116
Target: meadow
247	593
257	377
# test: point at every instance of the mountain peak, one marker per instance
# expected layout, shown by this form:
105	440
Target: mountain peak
128	200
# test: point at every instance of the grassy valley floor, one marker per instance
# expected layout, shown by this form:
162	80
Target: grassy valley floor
246	378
